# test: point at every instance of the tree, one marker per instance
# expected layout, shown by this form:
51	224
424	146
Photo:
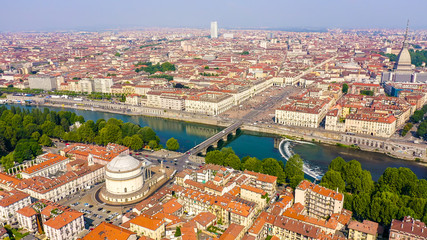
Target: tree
172	144
136	143
345	88
417	204
26	149
147	134
110	134
177	232
215	157
45	141
47	127
7	161
86	133
152	144
252	164
361	203
294	168
337	164
333	180
352	173
35	136
227	151
233	161
272	167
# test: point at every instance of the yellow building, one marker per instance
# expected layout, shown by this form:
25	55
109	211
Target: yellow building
363	231
143	225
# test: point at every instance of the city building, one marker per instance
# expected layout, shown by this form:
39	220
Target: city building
109	231
367	230
124	179
57	221
409	228
303	113
43	82
214	29
97	154
148	226
50	165
318	201
10	203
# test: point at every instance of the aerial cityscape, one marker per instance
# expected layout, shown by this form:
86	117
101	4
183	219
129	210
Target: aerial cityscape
213	124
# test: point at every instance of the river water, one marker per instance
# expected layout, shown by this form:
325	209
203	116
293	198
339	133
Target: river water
316	156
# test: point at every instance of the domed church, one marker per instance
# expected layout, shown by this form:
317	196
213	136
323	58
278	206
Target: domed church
124	179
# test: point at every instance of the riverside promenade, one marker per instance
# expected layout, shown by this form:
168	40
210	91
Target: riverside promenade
397	148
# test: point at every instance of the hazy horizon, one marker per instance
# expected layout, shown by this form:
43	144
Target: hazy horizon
94	15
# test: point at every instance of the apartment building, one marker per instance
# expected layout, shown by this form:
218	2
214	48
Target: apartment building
67	225
262	181
210	103
10	203
303	113
147	226
58	188
44	82
109	231
380	125
103	85
253	194
318	201
366	230
52	163
408	229
57	221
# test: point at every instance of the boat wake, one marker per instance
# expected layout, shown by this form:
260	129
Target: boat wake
286	152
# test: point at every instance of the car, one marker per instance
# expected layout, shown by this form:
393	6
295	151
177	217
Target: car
100	209
90	206
91	229
107	219
175	164
171	161
86	204
137	153
100	217
108	211
167	166
146	155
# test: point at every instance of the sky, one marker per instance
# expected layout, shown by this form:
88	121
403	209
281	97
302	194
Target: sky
59	15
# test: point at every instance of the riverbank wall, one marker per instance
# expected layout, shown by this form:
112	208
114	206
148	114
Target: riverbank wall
393	148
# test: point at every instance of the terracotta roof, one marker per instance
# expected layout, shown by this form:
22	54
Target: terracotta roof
365	227
27	211
320	190
171	206
204	218
232	232
108	231
63	219
408	226
252	189
8	198
147	222
51	159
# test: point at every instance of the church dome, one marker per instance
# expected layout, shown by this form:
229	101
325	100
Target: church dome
403	62
123	163
404	57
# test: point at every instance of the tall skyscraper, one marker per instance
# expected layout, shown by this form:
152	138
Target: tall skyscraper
214	29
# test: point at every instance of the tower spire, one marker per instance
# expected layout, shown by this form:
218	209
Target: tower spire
405	43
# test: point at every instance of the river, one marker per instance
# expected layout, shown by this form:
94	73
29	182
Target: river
316	156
